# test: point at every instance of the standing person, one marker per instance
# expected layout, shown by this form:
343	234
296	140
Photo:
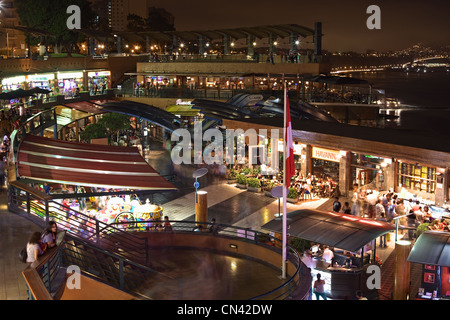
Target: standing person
411	218
49	237
213	226
379	210
356	206
319	288
382	217
167	225
346	208
34	247
336	205
2	173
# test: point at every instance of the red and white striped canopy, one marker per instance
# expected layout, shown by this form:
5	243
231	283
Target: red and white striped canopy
56	161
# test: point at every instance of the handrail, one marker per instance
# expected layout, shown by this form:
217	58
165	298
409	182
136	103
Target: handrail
246	234
77	223
40	274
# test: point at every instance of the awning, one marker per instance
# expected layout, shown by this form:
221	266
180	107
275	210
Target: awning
56	161
334	229
433	248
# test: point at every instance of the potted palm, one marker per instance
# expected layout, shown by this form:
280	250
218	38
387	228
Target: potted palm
253	185
241	181
292	196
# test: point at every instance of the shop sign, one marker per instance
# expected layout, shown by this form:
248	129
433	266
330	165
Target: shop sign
41	77
326	154
99	74
70	75
13	80
183	103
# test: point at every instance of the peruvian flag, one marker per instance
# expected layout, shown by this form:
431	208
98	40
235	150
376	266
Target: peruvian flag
289	150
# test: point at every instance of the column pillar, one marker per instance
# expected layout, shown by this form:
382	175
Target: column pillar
226	44
85	81
201	46
442	179
271	45
317	41
402	270
345	173
293	37
92	46
250	46
307	158
389	175
119	45
201	207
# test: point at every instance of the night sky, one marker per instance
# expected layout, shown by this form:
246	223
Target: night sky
403	22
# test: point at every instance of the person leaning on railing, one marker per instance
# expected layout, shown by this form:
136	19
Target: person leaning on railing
49	237
34	249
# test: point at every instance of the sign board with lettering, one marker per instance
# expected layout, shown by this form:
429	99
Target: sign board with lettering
326	154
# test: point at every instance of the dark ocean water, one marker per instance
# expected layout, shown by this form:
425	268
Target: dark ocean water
425	90
427	96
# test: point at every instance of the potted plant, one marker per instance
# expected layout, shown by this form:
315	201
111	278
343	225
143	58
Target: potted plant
241	181
292	196
253	185
232	176
268	188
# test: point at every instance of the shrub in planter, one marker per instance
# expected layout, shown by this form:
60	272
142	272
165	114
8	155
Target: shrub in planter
241	180
292	195
232	174
254	184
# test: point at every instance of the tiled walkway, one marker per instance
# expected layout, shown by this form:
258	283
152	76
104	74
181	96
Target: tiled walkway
14	233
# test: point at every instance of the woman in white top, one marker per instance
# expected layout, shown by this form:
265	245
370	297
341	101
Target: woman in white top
34	247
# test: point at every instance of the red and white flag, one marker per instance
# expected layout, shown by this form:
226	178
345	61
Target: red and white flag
289	153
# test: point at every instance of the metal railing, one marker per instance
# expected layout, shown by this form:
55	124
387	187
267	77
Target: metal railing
77	223
242	234
35	124
101	265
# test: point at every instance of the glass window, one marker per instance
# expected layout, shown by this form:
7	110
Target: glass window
417	177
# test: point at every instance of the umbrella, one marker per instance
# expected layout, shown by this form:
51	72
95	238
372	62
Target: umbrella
39	90
19	93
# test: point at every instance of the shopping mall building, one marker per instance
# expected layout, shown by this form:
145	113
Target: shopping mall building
409	163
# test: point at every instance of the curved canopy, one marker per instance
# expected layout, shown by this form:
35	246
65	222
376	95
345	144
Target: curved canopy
334	229
432	247
150	113
89	165
280	31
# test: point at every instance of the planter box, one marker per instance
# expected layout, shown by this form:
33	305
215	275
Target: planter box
251	189
231	181
292	200
241	186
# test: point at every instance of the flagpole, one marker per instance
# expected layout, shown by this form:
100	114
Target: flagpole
285	186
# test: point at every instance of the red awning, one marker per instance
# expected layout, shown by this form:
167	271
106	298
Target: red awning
81	164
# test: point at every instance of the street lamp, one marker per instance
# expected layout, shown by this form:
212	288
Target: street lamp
198	174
